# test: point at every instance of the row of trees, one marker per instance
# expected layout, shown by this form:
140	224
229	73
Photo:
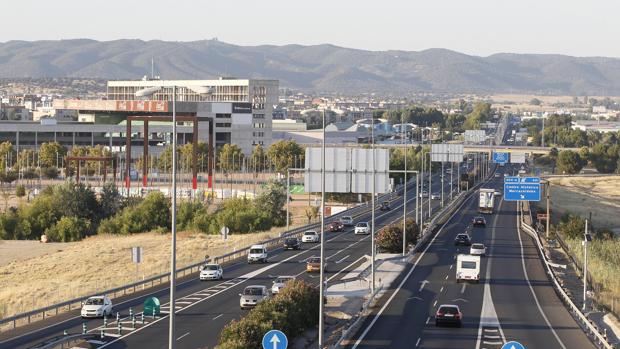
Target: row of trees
604	157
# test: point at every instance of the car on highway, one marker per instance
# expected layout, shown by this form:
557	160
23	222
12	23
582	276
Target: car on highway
505	174
347	221
313	264
252	295
211	272
385	206
449	314
292	244
311	236
423	194
478	249
279	283
257	253
335	226
479	221
496	175
362	228
497	193
435	196
96	306
462	239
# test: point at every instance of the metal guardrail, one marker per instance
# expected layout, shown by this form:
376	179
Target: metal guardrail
62	340
54	309
598	338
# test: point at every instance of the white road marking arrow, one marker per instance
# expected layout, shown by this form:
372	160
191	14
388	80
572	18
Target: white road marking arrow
423	284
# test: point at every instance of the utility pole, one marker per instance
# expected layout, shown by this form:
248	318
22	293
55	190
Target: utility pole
405	189
372	226
322	274
586	237
548	205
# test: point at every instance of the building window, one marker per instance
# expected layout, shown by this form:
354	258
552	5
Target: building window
223	116
259	125
222	124
258	116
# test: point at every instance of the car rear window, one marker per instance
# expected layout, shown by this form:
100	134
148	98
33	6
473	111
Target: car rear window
449	310
94	301
256	250
309	233
468	265
478	246
210	267
253	291
363	225
461	236
315	260
291	240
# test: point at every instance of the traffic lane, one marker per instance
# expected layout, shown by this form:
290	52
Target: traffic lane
517	309
406	311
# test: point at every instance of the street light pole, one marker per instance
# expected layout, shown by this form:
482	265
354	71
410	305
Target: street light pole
405	190
585	267
288	191
173	250
322	274
372	225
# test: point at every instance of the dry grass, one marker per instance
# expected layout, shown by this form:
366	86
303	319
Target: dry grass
54	273
582	195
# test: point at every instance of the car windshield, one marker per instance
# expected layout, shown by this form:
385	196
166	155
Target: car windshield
282	280
346	218
468	265
256	250
461	236
449	310
94	301
314	260
210	267
477	246
310	233
253	291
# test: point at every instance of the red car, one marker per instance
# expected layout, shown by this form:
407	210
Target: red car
335	226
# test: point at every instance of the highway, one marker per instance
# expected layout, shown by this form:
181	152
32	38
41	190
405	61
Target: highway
513	301
204	308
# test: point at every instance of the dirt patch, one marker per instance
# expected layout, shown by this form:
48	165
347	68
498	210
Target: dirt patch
582	195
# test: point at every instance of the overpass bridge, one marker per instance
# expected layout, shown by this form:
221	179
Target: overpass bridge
468	148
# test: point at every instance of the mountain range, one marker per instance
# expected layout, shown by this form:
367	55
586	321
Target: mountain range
323	68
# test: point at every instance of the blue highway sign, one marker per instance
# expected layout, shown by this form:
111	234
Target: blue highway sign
501	157
513	345
522	188
275	339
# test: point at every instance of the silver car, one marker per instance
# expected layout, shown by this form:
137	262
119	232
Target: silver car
279	283
252	295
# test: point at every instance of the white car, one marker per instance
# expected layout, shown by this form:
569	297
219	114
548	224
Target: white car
279	283
347	221
423	194
211	272
97	306
496	175
311	236
362	228
252	295
257	253
435	196
478	249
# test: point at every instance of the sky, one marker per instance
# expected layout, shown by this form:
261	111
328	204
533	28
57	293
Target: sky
477	27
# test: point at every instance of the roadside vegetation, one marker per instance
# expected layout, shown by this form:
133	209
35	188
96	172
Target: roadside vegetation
293	310
390	238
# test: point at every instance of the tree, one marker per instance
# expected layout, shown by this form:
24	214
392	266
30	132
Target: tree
20	191
6	154
50	172
481	113
258	157
283	153
229	158
68	229
110	201
311	212
271	200
569	162
77	200
50	154
572	226
535	101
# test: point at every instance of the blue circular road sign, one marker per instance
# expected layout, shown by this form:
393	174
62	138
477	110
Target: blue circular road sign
275	339
513	345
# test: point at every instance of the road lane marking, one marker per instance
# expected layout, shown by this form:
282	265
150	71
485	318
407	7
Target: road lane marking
418	341
463	288
343	258
183	336
446	277
423	283
451	265
441	289
217	316
343	269
428	319
435	303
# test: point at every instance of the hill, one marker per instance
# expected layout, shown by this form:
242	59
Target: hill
325	68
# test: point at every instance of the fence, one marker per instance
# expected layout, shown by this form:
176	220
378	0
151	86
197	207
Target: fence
598	338
54	309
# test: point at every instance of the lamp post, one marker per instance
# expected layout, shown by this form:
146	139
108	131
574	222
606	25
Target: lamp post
405	189
147	92
322	237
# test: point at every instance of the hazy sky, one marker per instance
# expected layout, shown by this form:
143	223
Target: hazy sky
480	27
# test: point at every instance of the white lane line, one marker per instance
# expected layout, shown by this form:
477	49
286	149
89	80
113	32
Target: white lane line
217	316
446	277
192	298
343	258
451	265
463	288
418	341
527	278
343	269
423	283
441	289
435	303
428	319
402	282
183	336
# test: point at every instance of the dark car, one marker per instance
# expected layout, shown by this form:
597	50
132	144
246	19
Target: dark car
448	314
462	239
335	226
479	222
385	206
292	244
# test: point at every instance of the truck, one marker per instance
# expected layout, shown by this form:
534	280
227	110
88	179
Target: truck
467	268
486	201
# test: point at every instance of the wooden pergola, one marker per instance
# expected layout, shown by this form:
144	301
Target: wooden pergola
103	158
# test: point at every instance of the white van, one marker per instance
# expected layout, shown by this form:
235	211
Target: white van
257	253
467	268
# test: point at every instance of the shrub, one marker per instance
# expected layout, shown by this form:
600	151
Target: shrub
20	191
68	229
50	172
390	238
573	226
152	213
186	213
293	310
8	225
